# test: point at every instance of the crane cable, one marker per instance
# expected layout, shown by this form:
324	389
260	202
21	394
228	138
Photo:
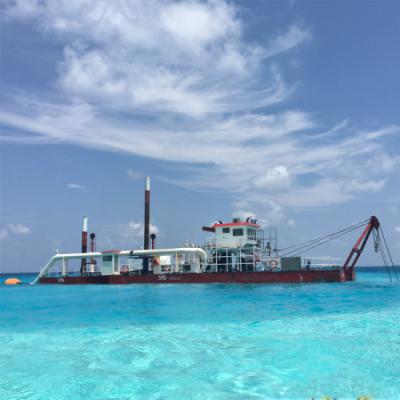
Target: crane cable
310	244
378	247
388	254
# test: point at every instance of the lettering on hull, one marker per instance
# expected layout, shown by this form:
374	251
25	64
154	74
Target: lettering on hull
169	278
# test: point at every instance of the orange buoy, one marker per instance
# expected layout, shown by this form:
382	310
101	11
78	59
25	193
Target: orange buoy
12	281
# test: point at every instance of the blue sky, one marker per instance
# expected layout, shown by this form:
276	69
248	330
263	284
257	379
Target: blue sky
288	111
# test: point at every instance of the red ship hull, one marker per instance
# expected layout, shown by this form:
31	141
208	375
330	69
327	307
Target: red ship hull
336	275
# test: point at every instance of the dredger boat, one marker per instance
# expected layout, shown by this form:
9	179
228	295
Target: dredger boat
239	251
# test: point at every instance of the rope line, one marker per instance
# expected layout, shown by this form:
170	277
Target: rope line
389	255
306	246
355	226
378	241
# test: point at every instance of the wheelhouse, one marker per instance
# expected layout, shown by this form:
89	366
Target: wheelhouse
240	246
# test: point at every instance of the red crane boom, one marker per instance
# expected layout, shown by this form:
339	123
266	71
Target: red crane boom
358	248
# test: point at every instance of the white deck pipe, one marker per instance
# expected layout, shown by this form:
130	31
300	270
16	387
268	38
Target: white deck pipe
151	252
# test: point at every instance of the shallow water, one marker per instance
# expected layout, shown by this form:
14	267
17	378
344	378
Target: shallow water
201	341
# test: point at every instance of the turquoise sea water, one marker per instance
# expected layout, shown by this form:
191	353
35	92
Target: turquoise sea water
201	341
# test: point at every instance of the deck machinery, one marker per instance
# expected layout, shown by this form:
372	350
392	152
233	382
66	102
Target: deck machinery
238	252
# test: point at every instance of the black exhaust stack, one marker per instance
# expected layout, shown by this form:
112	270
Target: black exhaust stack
146	244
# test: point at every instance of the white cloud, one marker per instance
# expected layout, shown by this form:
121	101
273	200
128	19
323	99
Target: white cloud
132	174
119	235
322	193
275	178
19	229
243	214
3	234
226	159
178	82
75	186
195	25
397	229
292	38
272	213
23	8
136	230
156	55
364	186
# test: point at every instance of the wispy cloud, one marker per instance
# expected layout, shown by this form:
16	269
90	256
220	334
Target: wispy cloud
3	234
179	83
136	229
132	174
14	230
291	222
75	186
125	234
284	42
19	229
355	186
275	178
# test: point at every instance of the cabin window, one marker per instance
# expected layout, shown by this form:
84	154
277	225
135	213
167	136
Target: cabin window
107	258
226	230
237	232
251	234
